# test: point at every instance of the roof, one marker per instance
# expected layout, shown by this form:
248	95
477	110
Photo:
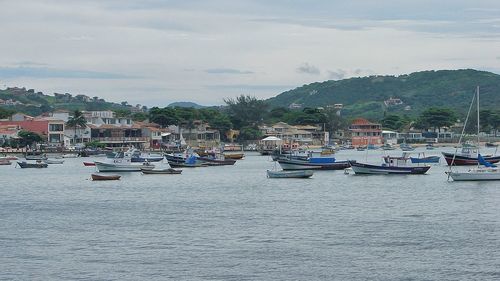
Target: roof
8	132
362	121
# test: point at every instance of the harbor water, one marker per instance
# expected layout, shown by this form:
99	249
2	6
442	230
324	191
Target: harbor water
233	223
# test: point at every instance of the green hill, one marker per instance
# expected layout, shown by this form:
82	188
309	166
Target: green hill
34	103
365	96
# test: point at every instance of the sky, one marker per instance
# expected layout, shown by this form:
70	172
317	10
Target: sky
154	52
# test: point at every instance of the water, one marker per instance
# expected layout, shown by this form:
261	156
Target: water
232	223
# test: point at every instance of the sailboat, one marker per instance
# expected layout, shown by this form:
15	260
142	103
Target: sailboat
485	171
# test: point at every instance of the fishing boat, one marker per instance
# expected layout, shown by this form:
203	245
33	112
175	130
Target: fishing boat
388	169
137	156
466	157
53	161
97	177
485	170
214	161
168	171
88	164
311	161
121	163
289	174
24	164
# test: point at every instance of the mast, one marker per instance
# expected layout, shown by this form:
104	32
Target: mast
477	92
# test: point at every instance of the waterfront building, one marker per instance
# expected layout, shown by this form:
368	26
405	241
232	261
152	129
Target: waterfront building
364	132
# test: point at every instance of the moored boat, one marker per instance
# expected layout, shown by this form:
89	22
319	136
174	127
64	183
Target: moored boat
5	162
290	174
466	159
235	156
88	164
362	168
168	171
97	177
24	164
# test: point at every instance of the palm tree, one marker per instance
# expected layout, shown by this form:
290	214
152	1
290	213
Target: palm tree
77	122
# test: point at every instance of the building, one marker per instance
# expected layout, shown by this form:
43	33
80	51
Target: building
390	137
200	135
49	128
7	133
364	133
393	101
302	134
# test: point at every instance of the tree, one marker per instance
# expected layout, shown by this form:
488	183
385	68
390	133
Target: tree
249	133
436	118
164	116
5	113
246	111
77	122
395	122
28	138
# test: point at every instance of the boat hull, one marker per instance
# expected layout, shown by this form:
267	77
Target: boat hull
361	168
289	174
32	165
465	161
162	172
97	177
288	165
475	176
88	164
429	159
106	167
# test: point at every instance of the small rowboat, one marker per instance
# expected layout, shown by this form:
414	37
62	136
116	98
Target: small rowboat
97	177
234	156
88	164
290	174
161	172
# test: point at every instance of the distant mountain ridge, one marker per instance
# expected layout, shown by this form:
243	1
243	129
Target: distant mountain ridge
365	96
186	104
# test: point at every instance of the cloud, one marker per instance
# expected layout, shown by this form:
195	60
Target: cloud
337	74
45	72
308	68
227	71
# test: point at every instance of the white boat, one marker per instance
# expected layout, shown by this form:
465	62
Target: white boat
290	174
121	163
485	171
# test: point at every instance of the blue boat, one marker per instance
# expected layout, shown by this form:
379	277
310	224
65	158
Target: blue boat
428	159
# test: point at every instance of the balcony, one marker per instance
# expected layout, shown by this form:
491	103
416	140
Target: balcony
122	139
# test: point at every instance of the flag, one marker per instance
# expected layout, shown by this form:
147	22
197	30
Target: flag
484	162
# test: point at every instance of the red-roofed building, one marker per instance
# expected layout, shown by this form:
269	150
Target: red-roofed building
49	128
364	133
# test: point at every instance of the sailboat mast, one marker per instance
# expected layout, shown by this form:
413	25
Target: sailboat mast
478	145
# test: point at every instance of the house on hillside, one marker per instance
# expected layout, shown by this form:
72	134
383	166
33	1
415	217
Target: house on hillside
364	132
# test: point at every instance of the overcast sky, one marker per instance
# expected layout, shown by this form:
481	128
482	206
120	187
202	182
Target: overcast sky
157	52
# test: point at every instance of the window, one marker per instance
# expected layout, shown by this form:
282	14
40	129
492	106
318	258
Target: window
56	127
54	138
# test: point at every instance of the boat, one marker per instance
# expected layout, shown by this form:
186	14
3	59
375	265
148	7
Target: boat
429	146
53	161
388	146
88	164
361	148
290	174
466	158
121	163
24	164
8	158
69	155
168	171
406	147
425	159
138	157
485	170
235	156
97	177
312	164
5	162
387	169
490	144
214	161
187	165
35	157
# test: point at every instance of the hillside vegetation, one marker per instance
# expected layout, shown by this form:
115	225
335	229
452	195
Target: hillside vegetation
365	96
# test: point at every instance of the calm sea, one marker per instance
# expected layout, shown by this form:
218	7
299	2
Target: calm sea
233	223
